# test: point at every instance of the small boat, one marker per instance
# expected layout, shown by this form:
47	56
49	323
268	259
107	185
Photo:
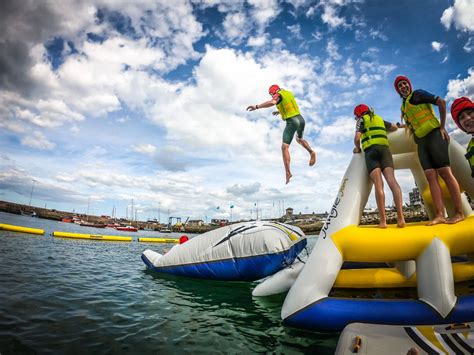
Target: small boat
112	225
127	229
67	220
93	225
29	214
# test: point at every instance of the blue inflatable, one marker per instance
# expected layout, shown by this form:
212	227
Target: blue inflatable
240	252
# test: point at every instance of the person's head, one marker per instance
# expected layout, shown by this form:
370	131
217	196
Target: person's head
272	90
402	85
361	110
462	111
183	239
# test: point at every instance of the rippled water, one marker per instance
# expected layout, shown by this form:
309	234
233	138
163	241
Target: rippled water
71	296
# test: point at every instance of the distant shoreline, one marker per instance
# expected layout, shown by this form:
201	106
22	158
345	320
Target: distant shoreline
412	214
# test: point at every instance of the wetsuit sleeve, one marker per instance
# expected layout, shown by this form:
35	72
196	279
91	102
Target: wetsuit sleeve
359	126
423	97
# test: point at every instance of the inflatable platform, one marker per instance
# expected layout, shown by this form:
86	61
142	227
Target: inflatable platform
241	252
420	255
358	338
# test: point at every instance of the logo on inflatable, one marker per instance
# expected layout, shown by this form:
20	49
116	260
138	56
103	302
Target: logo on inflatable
334	213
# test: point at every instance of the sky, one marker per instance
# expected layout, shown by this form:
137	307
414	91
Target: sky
108	103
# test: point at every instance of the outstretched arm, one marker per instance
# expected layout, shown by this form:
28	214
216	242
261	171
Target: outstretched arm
265	104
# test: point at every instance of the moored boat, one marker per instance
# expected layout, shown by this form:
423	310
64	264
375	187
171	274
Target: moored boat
126	228
93	225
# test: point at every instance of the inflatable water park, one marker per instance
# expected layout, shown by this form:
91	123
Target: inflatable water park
416	276
384	288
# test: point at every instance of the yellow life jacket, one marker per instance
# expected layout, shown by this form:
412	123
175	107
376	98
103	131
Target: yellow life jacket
420	118
287	106
470	155
374	131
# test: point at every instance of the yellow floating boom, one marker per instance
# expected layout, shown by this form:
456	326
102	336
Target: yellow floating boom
158	240
10	227
114	238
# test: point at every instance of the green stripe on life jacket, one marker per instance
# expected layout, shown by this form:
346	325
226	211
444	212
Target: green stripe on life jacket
470	155
420	118
287	106
374	131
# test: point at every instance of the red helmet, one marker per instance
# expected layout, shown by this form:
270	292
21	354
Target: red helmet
399	78
458	106
272	90
361	109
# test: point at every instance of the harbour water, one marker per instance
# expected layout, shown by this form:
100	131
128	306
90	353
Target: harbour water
84	296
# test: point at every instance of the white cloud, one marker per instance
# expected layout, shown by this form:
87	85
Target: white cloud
235	28
264	11
330	16
461	87
38	140
239	190
378	34
469	46
257	41
341	130
461	15
144	148
437	46
332	49
295	30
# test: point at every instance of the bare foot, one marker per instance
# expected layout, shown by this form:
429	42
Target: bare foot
436	220
312	160
458	217
401	224
288	177
413	351
382	225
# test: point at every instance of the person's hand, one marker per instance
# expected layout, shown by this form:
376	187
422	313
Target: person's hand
444	134
356	150
274	113
252	108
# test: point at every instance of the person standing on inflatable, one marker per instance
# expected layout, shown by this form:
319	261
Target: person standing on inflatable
432	140
290	112
371	130
462	111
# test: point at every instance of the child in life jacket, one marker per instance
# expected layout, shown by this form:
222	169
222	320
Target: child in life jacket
462	111
433	142
371	131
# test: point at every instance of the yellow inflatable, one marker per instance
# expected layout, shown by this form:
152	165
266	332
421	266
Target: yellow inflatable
113	238
10	227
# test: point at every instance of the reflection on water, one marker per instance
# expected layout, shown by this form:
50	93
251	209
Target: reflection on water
65	295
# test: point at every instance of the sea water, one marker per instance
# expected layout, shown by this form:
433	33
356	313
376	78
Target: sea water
85	296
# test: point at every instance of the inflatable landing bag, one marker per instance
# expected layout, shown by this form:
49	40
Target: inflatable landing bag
244	251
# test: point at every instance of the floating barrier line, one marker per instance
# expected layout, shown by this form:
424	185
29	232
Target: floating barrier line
158	240
10	227
115	238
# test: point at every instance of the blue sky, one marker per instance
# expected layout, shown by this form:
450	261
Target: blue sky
110	101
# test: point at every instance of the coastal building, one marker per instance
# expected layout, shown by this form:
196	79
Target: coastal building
415	197
219	222
195	222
